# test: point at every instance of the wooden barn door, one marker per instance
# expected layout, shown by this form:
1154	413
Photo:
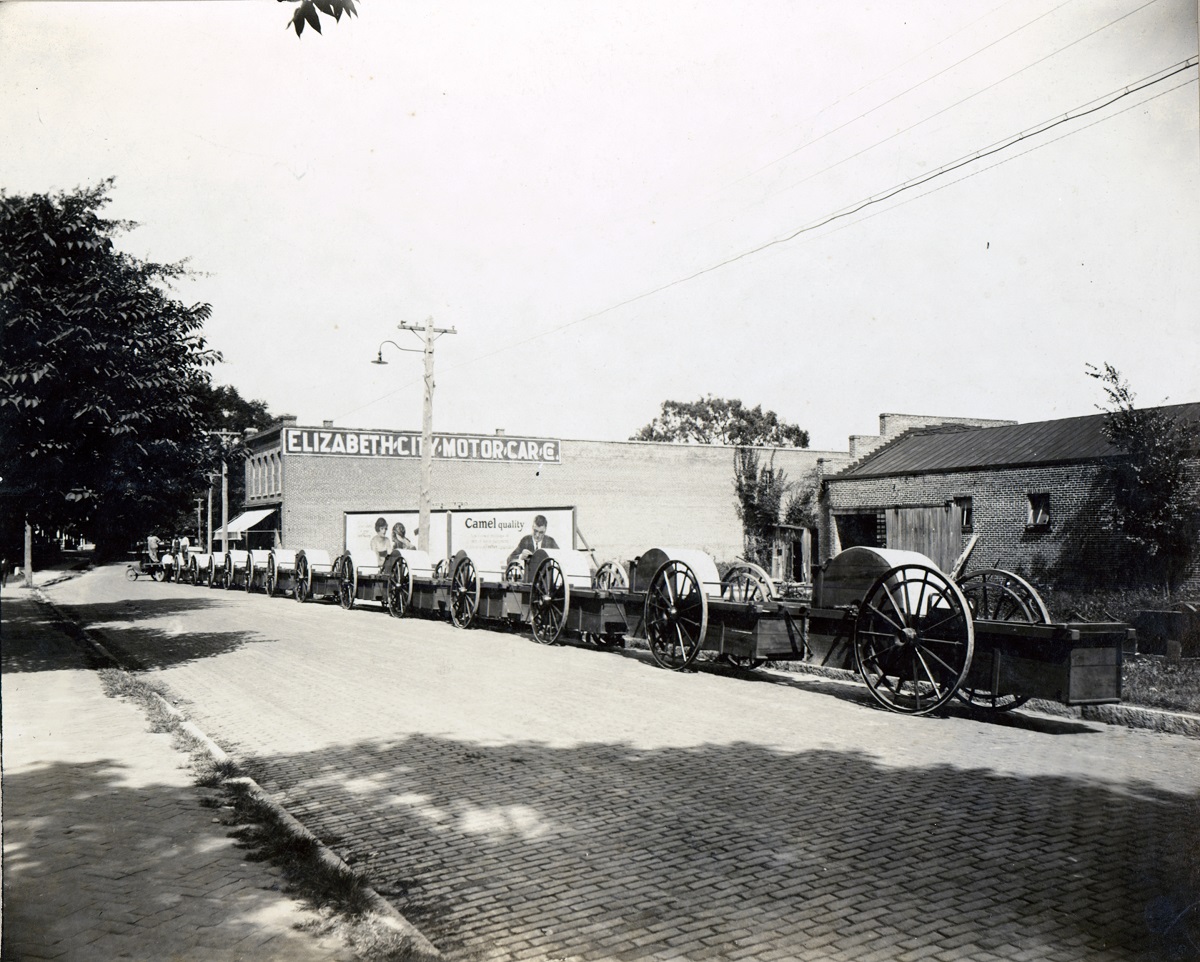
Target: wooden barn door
933	530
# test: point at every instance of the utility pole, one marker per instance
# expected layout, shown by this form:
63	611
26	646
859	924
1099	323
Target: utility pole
429	334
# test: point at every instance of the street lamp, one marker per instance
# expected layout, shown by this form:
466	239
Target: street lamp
429	334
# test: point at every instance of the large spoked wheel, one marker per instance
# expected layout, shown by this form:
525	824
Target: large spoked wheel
610	576
248	584
994	594
549	601
399	589
347	582
464	594
272	581
515	570
998	595
303	589
747	582
676	615
227	578
131	573
913	639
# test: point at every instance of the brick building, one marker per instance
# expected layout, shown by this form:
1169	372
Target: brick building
1033	498
627	496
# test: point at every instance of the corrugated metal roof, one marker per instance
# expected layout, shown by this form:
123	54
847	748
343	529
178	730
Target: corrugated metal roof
955	449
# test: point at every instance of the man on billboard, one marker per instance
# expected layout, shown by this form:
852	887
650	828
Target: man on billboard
531	542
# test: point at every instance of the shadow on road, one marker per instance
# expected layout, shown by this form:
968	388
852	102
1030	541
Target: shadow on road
607	851
122	627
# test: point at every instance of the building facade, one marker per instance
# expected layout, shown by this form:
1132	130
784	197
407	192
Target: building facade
627	496
1032	498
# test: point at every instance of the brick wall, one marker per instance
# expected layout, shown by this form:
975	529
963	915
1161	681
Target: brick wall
893	425
1077	549
629	495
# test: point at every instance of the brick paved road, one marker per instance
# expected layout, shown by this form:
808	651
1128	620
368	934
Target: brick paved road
522	802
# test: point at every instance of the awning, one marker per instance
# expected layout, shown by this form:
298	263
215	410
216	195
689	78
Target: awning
247	520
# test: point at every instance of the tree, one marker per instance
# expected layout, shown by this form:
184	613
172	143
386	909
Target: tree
227	416
802	506
306	12
101	373
760	489
1154	492
713	420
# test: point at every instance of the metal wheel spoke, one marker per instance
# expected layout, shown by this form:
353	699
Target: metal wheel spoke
882	614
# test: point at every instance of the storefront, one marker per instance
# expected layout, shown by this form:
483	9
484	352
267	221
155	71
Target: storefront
321	485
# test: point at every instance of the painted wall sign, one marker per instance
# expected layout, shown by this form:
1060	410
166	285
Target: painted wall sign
407	444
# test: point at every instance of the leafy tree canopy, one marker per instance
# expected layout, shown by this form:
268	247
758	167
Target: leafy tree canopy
713	420
102	371
306	12
1154	494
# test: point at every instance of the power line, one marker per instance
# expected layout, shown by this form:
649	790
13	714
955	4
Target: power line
1084	110
902	93
1018	156
957	103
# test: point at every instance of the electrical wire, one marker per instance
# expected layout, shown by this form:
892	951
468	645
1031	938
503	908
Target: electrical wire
903	93
964	100
1083	111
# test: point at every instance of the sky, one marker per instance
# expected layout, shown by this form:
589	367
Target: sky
616	204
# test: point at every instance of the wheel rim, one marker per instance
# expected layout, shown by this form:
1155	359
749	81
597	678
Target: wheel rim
272	577
610	576
997	595
515	571
131	574
464	598
913	639
300	592
399	590
676	615
248	585
227	580
747	583
347	583
549	601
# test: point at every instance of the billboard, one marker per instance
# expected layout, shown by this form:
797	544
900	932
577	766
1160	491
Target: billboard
503	528
370	535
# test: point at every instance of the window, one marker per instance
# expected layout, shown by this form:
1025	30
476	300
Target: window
869	530
1039	510
966	513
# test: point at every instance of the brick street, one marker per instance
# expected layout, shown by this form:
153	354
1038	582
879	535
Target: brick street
521	802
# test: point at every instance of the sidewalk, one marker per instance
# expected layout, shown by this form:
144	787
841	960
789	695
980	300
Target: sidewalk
108	852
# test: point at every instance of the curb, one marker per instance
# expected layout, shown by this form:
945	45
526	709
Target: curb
1123	716
382	911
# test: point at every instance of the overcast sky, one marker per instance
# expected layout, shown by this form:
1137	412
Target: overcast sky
608	201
